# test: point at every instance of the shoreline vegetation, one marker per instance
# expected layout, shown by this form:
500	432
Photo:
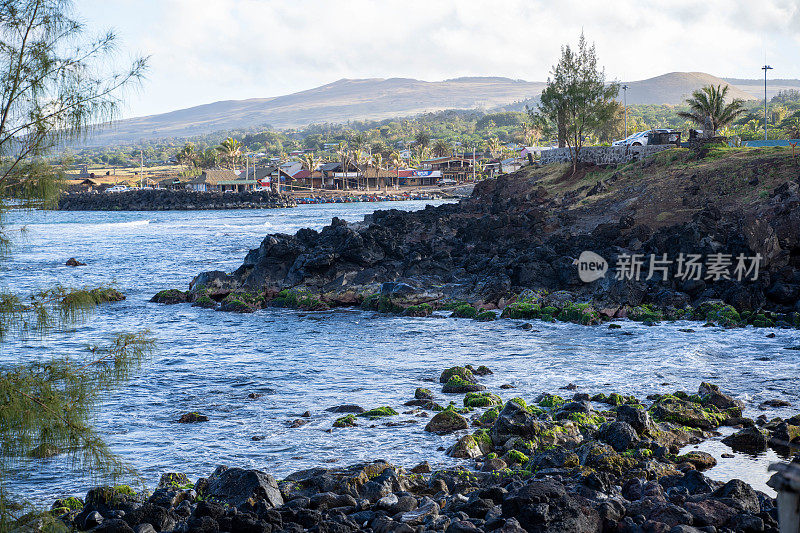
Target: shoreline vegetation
576	462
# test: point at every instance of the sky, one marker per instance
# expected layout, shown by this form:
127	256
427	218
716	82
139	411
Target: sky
202	51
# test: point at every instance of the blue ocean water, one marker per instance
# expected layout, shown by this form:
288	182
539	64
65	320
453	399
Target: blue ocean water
210	361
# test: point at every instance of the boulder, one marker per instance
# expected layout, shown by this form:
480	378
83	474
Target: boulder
237	486
748	440
446	421
686	413
639	419
465	448
545	506
620	435
72	262
711	395
700	460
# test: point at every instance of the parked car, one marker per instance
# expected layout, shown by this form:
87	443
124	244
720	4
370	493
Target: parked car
654	136
637	139
117	188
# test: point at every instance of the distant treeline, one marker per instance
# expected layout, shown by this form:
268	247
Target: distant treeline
451	130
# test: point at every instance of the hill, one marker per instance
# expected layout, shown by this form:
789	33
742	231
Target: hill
673	88
374	99
340	101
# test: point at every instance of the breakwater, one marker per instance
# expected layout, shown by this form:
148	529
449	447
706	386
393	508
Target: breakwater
169	200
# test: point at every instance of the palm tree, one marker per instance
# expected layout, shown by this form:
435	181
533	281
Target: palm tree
707	107
310	162
355	157
494	147
187	155
440	148
230	149
792	128
376	161
422	139
395	160
344	159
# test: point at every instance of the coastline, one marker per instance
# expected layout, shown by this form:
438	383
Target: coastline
584	463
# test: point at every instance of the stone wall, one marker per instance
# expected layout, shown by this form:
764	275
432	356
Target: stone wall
603	155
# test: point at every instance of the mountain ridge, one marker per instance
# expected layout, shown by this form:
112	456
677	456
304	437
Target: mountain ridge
349	99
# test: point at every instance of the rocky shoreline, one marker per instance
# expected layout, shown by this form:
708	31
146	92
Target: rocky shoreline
599	463
516	242
169	200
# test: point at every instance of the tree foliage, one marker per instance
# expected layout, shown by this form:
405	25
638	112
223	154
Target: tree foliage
56	86
577	98
707	107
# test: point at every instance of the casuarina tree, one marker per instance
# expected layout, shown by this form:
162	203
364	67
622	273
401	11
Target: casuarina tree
577	97
56	86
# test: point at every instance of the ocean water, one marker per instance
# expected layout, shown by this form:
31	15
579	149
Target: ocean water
209	361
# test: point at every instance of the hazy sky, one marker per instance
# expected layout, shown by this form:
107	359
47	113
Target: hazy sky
209	50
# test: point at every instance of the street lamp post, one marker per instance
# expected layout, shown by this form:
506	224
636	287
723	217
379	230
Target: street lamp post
625	103
765	68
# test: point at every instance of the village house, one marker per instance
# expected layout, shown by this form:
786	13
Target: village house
337	178
449	167
221	181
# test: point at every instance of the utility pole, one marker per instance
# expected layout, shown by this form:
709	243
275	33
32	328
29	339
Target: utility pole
765	68
141	180
625	100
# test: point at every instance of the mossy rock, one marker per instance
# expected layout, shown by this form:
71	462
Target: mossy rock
719	313
486	316
760	320
423	394
481	399
235	303
701	460
456	385
68	504
464	311
205	302
669	408
550	401
347	421
488	418
646	313
170	297
522	310
549	313
579	314
465	448
517	457
106	294
482	370
532	409
460	371
194	416
484	440
379	412
299	299
446	421
587	420
421	310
